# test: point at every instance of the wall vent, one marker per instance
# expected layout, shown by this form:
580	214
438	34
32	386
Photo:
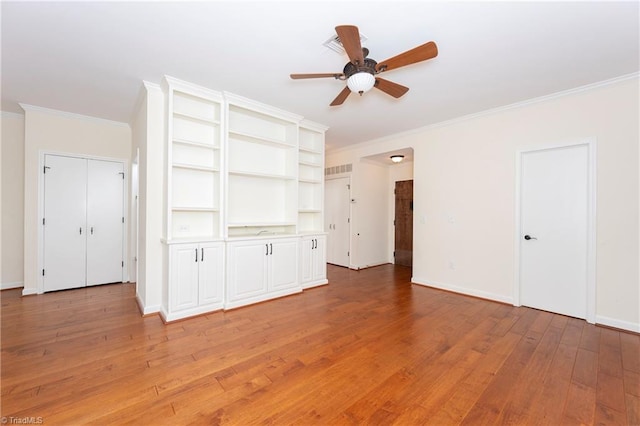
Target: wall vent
335	170
335	44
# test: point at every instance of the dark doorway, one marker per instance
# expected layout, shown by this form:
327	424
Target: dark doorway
403	249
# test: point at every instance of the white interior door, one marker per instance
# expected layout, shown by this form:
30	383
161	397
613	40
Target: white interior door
65	216
337	220
554	223
105	222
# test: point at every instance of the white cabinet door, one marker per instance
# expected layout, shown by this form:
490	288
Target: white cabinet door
105	222
313	260
210	278
259	270
283	264
306	259
319	265
195	280
65	216
247	269
183	285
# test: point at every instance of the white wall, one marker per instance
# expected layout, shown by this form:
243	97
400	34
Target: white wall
148	141
12	178
464	192
55	131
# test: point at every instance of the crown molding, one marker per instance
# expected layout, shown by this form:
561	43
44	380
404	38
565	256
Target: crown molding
145	88
151	86
241	101
72	115
312	125
10	114
492	111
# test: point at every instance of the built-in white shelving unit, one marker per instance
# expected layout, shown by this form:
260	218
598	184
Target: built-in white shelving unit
262	145
245	185
310	178
194	193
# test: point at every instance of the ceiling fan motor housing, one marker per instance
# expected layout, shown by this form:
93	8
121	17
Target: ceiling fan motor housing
368	66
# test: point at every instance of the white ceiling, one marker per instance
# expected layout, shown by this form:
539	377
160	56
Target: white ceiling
90	58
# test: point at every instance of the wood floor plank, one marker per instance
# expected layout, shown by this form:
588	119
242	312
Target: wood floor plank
573	333
607	416
610	392
632	403
630	351
610	353
590	337
585	370
631	382
580	405
369	348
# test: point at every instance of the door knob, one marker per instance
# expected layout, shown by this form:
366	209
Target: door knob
529	237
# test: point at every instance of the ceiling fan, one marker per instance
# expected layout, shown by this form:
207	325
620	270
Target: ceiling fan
360	72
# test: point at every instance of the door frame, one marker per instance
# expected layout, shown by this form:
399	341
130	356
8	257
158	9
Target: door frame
135	220
125	234
590	143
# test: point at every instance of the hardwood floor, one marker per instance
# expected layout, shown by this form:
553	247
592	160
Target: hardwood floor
370	348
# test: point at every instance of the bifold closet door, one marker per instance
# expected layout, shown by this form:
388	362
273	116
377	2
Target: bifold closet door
65	216
83	226
105	221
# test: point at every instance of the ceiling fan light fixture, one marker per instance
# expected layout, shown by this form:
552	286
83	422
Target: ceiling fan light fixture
397	158
361	82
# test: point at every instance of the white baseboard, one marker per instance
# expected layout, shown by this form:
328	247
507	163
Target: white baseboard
29	291
146	310
616	323
602	320
463	290
7	286
369	265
